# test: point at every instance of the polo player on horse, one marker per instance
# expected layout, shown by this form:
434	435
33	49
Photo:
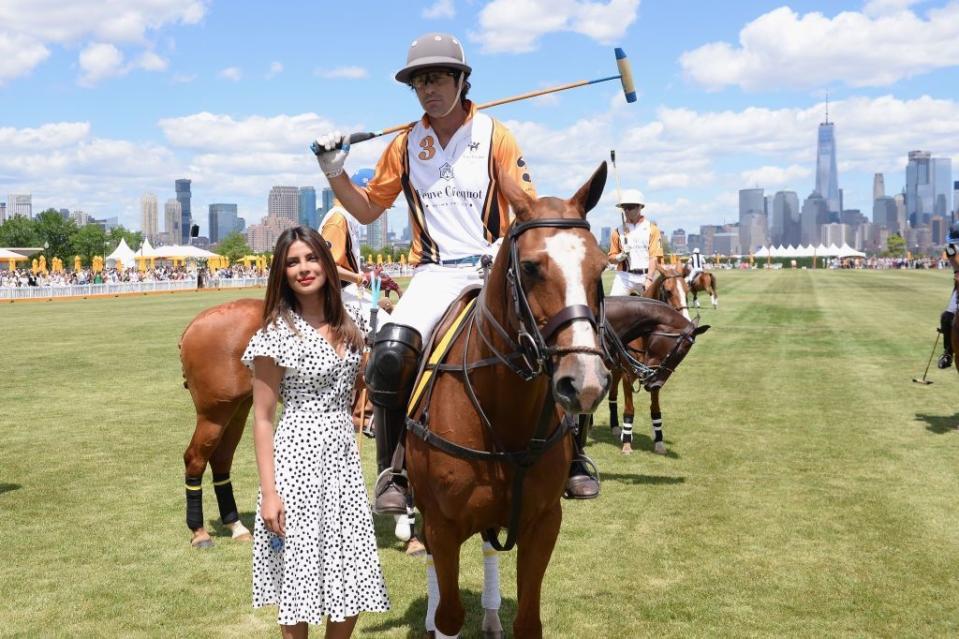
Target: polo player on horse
636	248
448	166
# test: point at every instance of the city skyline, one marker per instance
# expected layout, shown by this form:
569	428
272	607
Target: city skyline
722	107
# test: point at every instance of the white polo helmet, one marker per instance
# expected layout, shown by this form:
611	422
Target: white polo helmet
631	196
434	50
695	250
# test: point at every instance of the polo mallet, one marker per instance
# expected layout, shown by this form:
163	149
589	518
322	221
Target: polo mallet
625	76
924	380
619	195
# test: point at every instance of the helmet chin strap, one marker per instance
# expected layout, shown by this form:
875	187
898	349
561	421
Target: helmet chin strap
456	100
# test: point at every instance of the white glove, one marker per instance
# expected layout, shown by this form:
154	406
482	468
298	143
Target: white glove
621	257
330	158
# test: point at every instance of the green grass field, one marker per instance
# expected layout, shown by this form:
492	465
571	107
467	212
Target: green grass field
811	489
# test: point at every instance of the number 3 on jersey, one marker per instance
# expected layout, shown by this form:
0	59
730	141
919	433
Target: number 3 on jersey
428	150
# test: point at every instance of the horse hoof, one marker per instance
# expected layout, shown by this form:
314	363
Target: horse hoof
627	449
243	537
415	548
659	448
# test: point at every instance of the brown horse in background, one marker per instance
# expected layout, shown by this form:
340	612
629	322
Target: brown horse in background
668	286
703	282
222	391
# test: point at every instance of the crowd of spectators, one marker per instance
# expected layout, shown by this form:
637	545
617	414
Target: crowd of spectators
84	277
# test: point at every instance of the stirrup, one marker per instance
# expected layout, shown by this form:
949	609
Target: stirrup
394	504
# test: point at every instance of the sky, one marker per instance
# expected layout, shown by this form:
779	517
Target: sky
102	101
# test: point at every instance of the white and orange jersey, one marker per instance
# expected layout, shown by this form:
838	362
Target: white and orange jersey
642	241
456	209
342	231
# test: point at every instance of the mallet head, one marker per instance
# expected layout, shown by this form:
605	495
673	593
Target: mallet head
625	75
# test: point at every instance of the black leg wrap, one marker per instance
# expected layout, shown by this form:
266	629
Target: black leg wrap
657	427
945	327
224	498
627	436
613	414
194	502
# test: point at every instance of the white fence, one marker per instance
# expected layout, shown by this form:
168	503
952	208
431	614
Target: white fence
121	288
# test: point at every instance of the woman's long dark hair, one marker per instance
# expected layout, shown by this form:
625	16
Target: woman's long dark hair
280	298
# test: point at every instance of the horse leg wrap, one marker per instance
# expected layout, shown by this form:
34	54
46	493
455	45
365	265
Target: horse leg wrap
627	436
491	598
194	502
657	427
224	498
432	594
613	414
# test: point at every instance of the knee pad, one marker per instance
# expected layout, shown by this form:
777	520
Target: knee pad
392	366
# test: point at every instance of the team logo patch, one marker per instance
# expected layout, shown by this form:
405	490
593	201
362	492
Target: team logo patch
446	171
474	145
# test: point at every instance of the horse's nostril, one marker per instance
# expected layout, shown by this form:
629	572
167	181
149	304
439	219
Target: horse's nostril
566	388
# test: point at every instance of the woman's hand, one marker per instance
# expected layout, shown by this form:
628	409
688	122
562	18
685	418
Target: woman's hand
273	513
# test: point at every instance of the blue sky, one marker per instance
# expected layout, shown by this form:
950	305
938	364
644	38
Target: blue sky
103	101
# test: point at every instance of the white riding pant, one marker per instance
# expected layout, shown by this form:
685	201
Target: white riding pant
692	275
430	292
627	283
953	304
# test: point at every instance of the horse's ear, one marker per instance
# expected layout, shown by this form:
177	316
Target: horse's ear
701	329
588	195
518	199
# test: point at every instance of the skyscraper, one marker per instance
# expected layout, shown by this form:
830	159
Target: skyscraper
328	198
928	192
376	233
148	216
955	200
784	226
20	204
172	221
878	186
885	213
186	217
3	212
752	219
307	211
223	221
815	213
284	202
827	179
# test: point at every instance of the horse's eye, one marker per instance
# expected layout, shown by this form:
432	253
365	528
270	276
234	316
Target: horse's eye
530	268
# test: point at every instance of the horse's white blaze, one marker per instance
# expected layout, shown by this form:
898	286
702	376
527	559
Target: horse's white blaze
568	252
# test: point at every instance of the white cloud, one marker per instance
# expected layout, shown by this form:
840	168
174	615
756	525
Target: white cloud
671	181
782	49
231	73
515	26
275	69
439	9
29	27
769	176
99	61
150	61
349	73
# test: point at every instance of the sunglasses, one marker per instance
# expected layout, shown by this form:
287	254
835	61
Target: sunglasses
632	207
431	77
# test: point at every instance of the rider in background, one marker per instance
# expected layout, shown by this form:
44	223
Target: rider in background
948	315
635	248
697	263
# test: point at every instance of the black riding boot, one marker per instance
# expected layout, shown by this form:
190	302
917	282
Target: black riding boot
945	327
389	376
583	482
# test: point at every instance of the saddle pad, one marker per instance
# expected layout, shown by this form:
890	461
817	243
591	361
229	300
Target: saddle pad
439	343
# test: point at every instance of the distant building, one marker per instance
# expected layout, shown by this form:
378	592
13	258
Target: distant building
183	196
784	229
836	234
885	213
262	237
955	200
307	207
377	233
65	214
827	179
752	219
605	235
284	202
3	212
928	192
868	237
815	213
172	221
938	229
328	197
878	186
81	218
20	204
223	220
677	242
149	222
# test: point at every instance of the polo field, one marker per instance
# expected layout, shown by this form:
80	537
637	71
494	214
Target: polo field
810	489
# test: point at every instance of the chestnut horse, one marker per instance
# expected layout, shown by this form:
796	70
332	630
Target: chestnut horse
668	286
487	446
222	391
704	281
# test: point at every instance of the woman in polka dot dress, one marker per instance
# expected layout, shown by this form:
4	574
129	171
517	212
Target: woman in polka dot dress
314	550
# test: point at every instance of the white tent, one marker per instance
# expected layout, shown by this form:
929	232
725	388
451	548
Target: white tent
180	251
763	252
847	251
123	253
146	249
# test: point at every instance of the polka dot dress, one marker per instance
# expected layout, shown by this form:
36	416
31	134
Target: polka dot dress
327	564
